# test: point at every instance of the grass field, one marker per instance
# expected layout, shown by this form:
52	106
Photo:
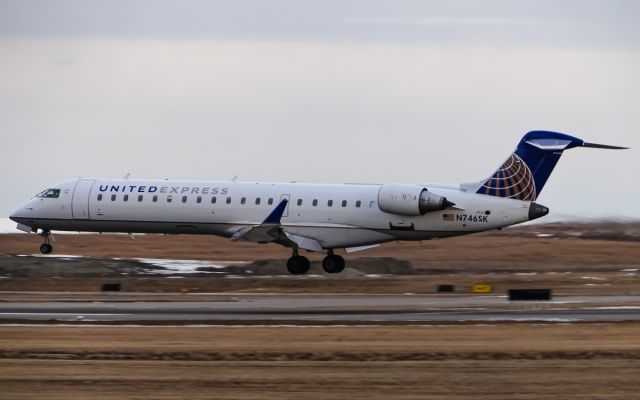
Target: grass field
505	361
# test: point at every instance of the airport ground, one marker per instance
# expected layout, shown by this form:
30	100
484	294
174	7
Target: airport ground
325	359
459	361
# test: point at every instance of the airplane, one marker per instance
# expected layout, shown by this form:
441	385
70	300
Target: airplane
303	216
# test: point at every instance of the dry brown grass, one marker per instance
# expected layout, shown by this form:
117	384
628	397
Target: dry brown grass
464	261
586	361
467	252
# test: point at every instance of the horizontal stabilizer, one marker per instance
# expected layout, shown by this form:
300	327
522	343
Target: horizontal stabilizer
603	146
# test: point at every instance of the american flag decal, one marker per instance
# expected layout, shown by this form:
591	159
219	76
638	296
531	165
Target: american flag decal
447	217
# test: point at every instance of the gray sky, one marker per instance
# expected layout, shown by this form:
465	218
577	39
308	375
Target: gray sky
319	91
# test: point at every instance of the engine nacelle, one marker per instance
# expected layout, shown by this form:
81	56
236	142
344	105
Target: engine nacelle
410	200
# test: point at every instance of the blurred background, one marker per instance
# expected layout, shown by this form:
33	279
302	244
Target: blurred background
319	91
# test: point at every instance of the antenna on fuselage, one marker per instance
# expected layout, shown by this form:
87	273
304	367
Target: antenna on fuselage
126	177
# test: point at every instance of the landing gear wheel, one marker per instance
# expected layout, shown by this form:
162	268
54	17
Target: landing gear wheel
298	265
46	248
332	264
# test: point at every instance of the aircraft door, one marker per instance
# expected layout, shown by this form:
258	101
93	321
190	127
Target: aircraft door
286	210
80	200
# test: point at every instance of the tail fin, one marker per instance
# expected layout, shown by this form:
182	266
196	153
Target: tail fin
527	170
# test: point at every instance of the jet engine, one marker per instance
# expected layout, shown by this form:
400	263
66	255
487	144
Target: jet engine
410	200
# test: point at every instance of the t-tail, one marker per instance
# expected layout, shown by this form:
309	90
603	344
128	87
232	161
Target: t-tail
523	175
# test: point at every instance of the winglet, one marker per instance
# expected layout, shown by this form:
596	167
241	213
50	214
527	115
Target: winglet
276	214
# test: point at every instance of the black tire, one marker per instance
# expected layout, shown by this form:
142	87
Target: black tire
46	248
333	264
298	265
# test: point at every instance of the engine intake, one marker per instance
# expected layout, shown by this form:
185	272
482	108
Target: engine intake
410	200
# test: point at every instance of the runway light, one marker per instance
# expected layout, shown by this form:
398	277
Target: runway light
482	288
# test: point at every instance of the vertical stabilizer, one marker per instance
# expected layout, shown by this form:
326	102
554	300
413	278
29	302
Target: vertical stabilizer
523	175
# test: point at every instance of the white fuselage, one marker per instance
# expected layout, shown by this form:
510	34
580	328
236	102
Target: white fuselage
333	215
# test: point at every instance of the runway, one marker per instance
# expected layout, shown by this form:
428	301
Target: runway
328	308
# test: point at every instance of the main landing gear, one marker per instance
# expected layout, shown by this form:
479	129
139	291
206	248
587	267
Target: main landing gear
332	264
46	247
299	265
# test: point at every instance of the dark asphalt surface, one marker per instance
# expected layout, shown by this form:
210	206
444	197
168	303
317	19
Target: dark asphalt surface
420	308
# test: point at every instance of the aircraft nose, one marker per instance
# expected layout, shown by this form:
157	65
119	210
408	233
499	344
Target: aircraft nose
19	214
14	215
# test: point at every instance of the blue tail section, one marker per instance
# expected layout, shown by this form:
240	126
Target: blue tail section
527	170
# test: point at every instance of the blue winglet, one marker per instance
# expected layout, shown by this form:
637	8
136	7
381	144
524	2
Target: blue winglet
276	214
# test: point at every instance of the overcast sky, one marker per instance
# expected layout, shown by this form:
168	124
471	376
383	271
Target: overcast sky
319	91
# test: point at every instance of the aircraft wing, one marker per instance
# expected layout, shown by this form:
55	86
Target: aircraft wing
304	242
257	233
270	230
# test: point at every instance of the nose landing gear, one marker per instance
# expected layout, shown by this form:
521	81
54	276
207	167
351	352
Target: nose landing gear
46	247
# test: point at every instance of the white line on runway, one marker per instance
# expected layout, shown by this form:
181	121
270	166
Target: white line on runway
59	313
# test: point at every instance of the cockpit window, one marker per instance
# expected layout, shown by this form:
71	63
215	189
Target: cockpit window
49	194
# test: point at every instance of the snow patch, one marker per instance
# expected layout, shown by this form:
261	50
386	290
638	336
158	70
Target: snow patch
170	267
594	278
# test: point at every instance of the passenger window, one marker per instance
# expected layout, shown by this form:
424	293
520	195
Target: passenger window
126	197
100	197
243	200
184	199
169	198
270	202
299	202
315	202
213	200
199	199
358	203
257	200
330	203
155	199
344	203
228	200
113	197
140	197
